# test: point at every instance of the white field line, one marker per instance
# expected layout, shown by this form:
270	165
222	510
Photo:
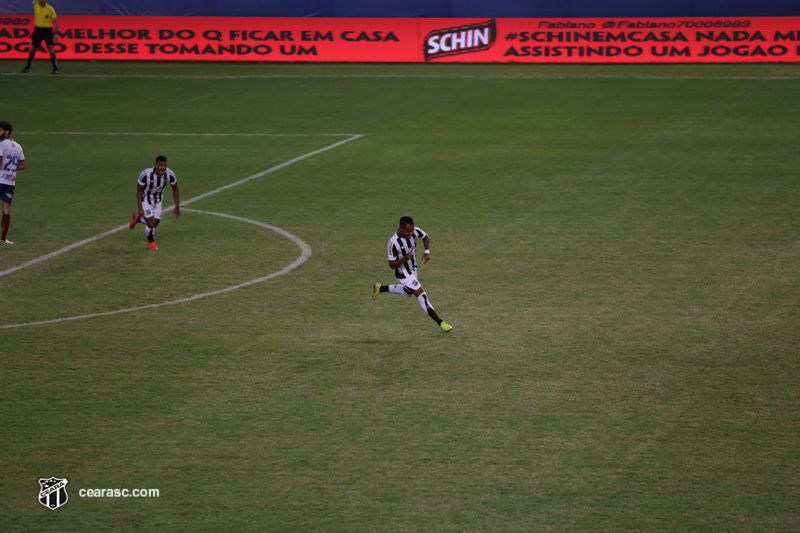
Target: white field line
304	255
273	169
406	76
205	195
156	134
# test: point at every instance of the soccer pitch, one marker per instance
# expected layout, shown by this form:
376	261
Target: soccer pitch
616	249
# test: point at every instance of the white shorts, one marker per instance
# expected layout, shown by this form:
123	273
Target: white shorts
151	210
410	282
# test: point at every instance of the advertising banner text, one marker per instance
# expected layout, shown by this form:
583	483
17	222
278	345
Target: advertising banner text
415	40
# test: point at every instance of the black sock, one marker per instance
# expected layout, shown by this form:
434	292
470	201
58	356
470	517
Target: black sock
428	308
384	288
434	316
54	61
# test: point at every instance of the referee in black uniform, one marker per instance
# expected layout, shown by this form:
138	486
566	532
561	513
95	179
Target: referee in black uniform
46	29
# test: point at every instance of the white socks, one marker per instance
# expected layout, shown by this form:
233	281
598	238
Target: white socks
423	301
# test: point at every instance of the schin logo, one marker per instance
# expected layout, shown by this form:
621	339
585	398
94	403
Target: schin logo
460	40
53	492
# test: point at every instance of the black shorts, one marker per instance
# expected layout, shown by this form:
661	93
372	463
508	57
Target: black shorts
41	34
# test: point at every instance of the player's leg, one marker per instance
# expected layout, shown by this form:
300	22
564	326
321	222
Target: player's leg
6	220
36	40
393	289
150	233
422	298
52	49
53	59
410	286
152	216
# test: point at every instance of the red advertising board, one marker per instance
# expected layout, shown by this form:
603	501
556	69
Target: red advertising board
612	40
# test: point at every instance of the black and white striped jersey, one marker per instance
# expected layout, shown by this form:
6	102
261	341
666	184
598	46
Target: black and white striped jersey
398	247
154	184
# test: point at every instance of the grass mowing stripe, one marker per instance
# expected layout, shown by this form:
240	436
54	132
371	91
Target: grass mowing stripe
200	197
163	134
273	169
61	251
304	255
619	259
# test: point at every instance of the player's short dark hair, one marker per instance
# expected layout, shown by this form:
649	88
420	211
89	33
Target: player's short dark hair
406	221
161	158
6	126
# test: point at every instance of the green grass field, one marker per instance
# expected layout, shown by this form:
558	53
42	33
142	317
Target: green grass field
616	248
